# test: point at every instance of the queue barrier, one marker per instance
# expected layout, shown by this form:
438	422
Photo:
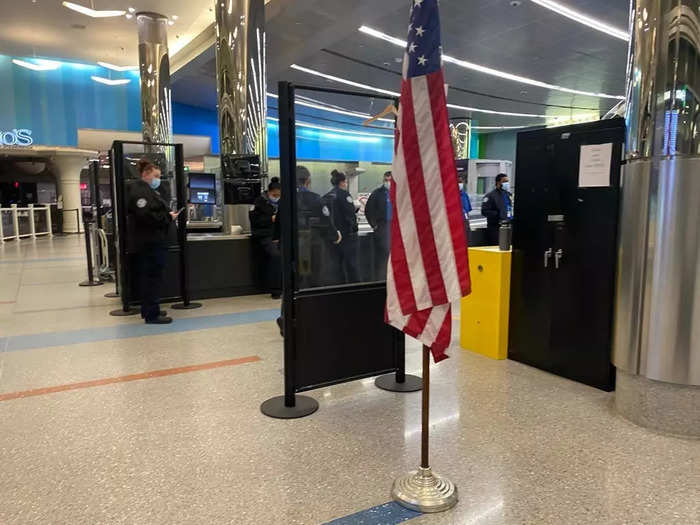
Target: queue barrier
30	222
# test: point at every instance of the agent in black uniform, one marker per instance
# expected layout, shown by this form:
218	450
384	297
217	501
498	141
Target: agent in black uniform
266	234
149	219
344	213
315	228
497	207
378	213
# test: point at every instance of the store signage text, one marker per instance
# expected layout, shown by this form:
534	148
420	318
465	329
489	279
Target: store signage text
16	137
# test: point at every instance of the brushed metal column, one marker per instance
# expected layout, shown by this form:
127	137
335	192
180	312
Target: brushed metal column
657	327
154	64
241	81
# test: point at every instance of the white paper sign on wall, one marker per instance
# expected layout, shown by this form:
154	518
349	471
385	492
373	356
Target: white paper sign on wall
594	167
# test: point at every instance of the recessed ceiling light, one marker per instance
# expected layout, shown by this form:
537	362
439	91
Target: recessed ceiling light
174	17
335	130
332	78
37	65
170	23
487	70
110	82
92	12
316	104
579	17
129	16
118	68
132	10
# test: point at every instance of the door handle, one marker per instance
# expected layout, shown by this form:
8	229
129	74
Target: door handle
557	257
547	255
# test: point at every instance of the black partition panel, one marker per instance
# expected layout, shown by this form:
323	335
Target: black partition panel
327	353
334	298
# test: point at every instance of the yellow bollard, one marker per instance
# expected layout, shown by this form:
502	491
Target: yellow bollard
484	313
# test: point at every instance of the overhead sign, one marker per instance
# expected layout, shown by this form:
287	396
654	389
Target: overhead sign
16	137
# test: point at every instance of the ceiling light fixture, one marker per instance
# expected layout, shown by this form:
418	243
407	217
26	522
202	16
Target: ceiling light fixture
174	17
129	16
317	104
336	130
344	81
121	69
171	23
487	70
132	10
38	64
579	17
110	82
394	94
92	12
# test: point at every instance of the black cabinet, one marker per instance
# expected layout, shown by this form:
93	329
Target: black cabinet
564	254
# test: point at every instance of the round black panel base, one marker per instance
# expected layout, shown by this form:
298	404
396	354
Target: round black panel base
274	407
183	306
110	295
91	283
388	382
122	313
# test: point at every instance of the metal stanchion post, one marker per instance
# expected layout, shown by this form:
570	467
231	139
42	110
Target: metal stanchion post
49	226
32	226
182	232
290	405
422	490
88	249
15	221
399	381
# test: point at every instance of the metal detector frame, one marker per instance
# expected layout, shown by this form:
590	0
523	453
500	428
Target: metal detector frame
120	229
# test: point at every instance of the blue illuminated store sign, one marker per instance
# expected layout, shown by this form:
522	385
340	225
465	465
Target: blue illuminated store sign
16	137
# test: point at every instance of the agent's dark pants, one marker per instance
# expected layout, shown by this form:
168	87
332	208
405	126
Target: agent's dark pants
382	246
273	264
345	255
492	235
150	265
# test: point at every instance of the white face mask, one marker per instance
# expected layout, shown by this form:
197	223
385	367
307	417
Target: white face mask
387	185
461	186
506	186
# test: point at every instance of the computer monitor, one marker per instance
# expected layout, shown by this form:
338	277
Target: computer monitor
202	188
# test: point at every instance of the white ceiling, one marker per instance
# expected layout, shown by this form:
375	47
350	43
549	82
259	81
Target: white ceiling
322	34
44	28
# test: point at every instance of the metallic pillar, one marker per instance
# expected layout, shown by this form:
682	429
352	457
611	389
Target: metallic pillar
461	133
657	328
154	64
241	81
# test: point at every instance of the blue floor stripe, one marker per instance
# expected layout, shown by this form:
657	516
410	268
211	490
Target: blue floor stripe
104	333
386	514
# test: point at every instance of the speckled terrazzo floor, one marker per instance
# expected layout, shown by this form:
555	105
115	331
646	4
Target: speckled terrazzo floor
523	446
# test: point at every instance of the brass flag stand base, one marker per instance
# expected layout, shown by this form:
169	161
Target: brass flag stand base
422	490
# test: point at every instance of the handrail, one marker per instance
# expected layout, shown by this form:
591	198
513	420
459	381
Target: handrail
31	209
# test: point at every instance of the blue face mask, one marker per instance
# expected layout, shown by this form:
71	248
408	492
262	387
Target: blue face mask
155	183
274	200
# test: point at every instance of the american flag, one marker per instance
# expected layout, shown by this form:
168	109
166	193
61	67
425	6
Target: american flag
428	266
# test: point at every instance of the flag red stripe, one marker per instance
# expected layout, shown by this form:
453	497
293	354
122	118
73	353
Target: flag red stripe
443	338
416	323
399	264
419	198
448	169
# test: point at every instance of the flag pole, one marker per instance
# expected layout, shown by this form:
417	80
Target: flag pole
425	419
423	490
